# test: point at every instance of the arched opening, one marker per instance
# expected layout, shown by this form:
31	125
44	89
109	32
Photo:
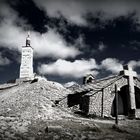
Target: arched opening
89	80
123	102
137	97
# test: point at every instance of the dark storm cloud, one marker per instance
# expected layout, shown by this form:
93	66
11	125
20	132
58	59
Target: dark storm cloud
33	15
4	60
74	11
93	21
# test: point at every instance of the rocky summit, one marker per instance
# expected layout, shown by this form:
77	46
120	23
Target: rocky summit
22	104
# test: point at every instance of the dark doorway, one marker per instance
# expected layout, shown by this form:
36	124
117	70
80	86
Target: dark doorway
137	97
123	102
75	99
84	106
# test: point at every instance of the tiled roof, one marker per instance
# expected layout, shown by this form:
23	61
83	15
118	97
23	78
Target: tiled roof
97	85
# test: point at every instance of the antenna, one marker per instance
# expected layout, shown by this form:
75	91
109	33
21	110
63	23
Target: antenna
28	33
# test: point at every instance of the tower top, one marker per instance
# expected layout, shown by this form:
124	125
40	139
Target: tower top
28	40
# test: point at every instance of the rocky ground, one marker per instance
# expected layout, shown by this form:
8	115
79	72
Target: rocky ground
84	129
69	129
28	111
31	101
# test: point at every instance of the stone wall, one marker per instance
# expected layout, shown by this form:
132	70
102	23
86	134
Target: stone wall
96	104
137	83
109	96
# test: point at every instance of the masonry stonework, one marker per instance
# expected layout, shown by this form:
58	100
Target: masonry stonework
95	104
97	98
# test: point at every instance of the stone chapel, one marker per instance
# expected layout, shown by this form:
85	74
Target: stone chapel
98	96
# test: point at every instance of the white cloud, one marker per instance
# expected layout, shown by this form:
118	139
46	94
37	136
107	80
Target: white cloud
74	10
50	44
4	60
75	69
80	68
111	64
11	36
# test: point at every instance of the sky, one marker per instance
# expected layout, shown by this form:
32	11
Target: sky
70	38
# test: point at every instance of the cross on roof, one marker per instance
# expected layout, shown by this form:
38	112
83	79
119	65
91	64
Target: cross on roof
131	74
128	71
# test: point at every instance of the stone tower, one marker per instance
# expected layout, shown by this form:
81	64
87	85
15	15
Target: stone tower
26	67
